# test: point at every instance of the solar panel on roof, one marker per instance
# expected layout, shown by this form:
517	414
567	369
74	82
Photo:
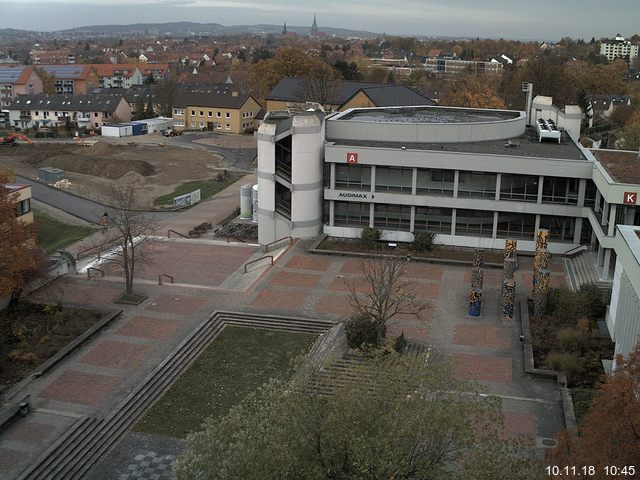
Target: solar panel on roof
10	75
64	70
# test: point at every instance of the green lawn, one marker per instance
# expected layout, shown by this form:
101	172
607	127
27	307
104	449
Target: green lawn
53	235
207	188
234	365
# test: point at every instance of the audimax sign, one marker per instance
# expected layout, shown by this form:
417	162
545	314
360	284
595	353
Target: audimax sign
363	196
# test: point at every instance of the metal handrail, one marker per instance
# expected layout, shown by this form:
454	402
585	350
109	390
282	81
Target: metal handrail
177	233
266	247
574	249
165	275
96	269
89	251
257	260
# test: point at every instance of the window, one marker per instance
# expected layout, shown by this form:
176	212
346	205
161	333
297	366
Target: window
475	223
523	188
430	219
353	177
227	126
23	207
394	179
194	124
201	113
178	123
354	214
477	184
37	113
210	114
392	217
251	114
178	111
561	229
516	225
590	194
193	113
435	182
227	115
560	190
201	124
95	114
218	115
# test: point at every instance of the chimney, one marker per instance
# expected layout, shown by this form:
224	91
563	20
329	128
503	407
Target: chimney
234	94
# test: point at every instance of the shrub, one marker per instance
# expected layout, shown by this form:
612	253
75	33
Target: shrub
572	341
370	237
569	363
400	343
361	331
595	301
565	306
423	242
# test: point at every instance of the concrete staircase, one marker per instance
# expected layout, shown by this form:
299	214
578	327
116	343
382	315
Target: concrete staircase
75	453
582	271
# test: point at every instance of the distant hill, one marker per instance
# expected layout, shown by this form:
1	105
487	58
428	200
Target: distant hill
192	28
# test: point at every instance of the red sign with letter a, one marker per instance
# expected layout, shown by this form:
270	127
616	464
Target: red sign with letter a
630	198
352	158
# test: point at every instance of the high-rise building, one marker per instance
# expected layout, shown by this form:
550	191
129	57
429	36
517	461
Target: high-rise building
618	47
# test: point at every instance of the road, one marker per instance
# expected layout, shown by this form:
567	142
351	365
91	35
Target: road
80	207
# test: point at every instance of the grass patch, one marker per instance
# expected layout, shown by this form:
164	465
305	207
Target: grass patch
32	333
208	188
237	362
53	235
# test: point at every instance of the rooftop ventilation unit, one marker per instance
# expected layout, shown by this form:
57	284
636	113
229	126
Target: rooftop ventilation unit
547	129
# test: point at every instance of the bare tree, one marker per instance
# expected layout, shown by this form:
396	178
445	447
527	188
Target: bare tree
132	227
388	294
321	84
166	92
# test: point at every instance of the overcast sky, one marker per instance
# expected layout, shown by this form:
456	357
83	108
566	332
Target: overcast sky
519	19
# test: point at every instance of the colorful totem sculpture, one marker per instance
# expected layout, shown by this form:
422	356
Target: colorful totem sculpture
508	292
508	298
475	302
540	273
477	279
541	293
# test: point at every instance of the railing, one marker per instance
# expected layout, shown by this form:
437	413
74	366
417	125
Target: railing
268	245
257	260
177	233
165	275
90	269
90	251
573	250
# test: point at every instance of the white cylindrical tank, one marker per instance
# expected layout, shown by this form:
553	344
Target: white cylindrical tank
254	201
245	202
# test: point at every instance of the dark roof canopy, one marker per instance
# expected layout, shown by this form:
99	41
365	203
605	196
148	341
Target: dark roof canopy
215	100
382	94
65	103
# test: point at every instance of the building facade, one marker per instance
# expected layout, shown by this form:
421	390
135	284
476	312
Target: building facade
71	79
21	197
87	111
17	80
230	112
618	47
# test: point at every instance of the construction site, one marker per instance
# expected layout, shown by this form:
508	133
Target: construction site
91	168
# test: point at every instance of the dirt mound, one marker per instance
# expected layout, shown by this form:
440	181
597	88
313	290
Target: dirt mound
101	167
101	149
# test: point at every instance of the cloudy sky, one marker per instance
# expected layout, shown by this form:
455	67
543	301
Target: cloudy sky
531	19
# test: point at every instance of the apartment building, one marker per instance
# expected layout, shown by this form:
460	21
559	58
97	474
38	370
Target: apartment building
87	111
17	80
72	79
21	197
230	112
618	47
118	75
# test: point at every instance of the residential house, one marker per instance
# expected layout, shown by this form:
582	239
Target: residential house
118	75
289	93
21	197
451	64
18	80
602	106
87	111
230	112
72	79
157	70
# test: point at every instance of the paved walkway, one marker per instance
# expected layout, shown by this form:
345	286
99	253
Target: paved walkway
102	372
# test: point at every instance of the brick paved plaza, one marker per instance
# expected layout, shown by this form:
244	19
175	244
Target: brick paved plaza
95	378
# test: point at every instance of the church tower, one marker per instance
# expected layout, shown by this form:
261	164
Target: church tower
284	30
314	27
